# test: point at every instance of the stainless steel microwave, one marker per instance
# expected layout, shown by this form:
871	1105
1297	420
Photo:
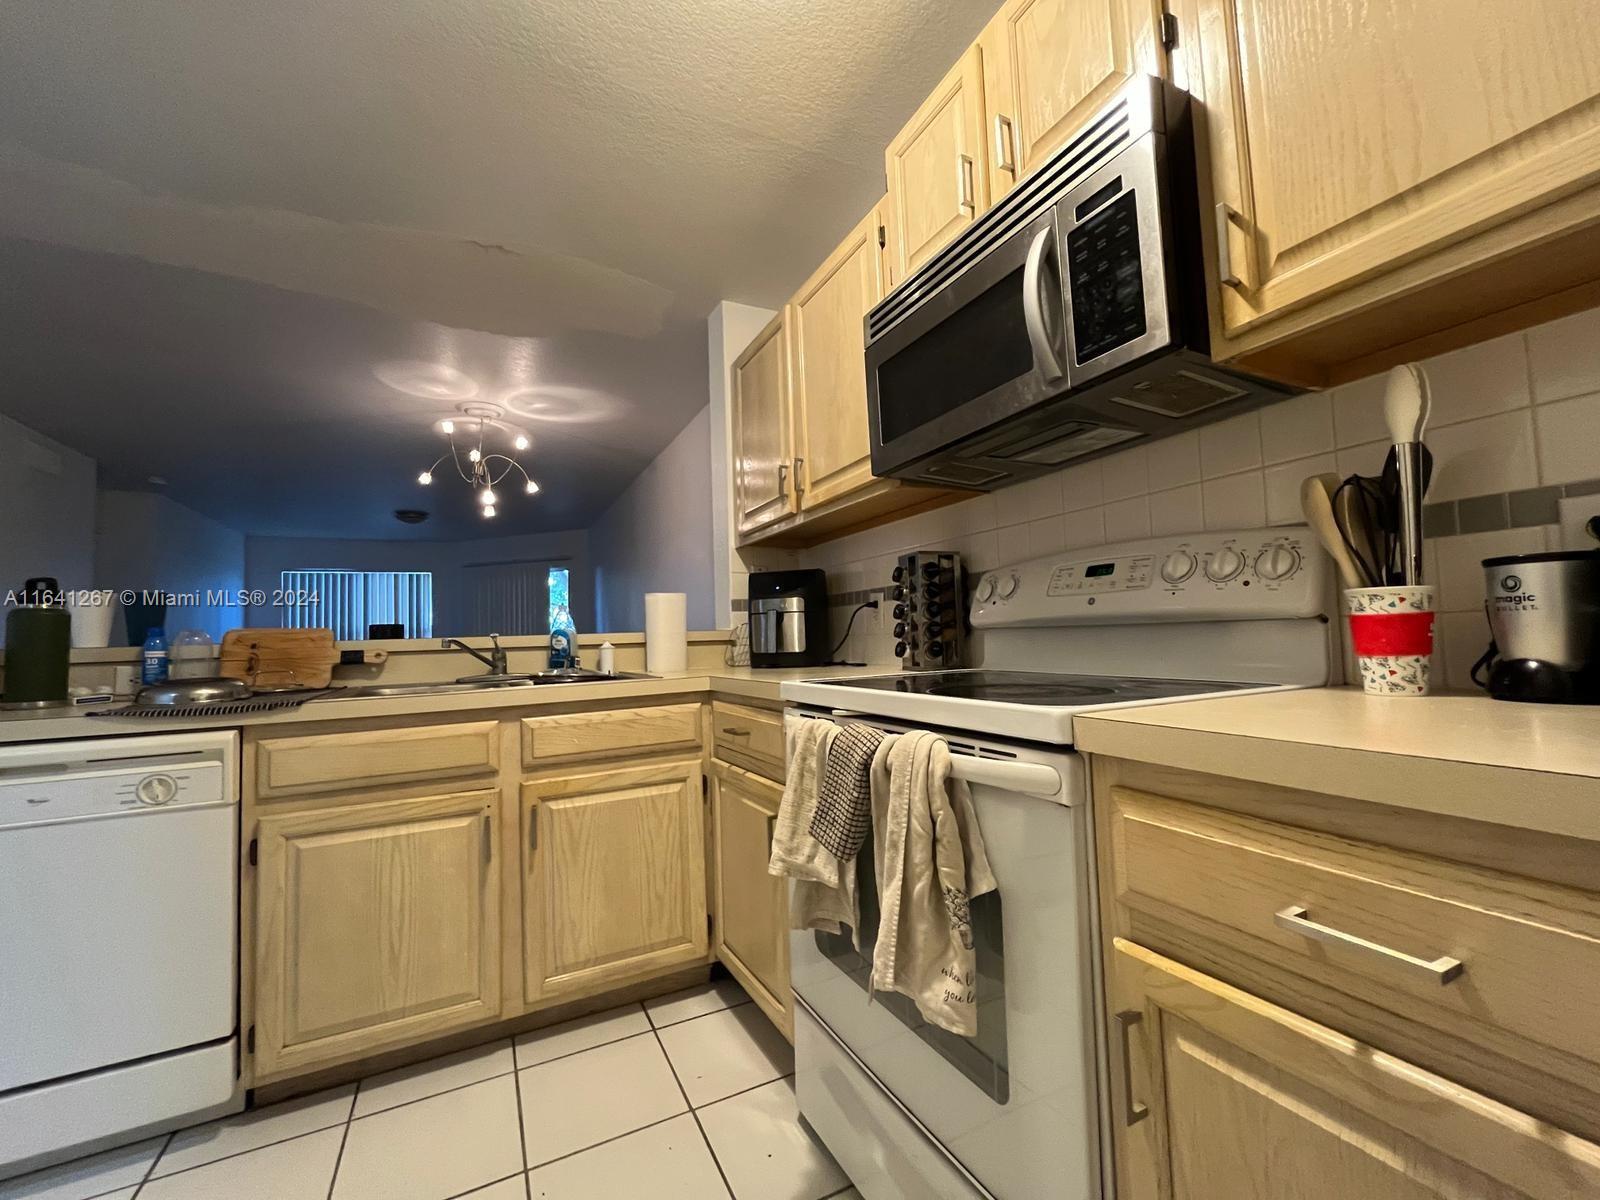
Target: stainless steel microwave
1068	322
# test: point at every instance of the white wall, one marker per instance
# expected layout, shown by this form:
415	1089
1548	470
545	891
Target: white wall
1519	414
46	510
658	537
145	541
266	558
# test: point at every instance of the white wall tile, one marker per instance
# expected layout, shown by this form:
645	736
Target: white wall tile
1283	487
1126	520
1297	428
1046	535
1564	357
1124	475
1235	501
1177	510
1569	439
1491	454
1477	381
1230	446
1459	573
982	550
1358	412
1175	460
1011	505
1013	543
1080	486
1458	639
975	514
1366	459
1086	527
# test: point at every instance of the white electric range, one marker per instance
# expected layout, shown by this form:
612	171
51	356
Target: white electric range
1020	1111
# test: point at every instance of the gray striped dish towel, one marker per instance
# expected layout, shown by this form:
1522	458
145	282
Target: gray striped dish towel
844	805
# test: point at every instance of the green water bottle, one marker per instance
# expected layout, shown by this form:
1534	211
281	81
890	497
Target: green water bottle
38	646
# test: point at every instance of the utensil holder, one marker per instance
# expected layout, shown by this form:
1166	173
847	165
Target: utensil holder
1391	629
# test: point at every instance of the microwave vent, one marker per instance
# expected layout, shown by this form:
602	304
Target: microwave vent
1180	394
960	474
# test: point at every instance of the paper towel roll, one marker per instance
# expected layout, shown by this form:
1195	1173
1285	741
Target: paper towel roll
666	632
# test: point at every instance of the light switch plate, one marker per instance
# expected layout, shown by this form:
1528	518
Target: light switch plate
1576	513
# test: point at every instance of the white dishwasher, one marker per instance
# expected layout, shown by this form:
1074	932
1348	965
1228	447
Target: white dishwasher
118	939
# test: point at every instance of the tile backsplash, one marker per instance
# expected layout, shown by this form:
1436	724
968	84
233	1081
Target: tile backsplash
1515	420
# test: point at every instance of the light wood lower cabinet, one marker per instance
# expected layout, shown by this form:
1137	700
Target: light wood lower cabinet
614	881
1223	1096
377	924
752	906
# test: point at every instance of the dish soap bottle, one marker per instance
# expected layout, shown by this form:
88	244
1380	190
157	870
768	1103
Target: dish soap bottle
153	659
563	639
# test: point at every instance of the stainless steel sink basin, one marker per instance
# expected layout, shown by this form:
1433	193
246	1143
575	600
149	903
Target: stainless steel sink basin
479	683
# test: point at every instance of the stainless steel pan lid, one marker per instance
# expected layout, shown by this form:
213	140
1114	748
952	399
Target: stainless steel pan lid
175	693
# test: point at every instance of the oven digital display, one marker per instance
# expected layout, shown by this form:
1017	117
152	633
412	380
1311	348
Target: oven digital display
1098	570
1107	279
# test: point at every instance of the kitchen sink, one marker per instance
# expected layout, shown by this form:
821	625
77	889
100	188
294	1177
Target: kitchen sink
479	683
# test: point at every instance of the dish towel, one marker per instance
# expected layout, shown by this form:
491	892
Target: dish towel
822	896
844	809
930	864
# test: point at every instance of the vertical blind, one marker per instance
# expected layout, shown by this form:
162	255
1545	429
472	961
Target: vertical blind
509	598
349	601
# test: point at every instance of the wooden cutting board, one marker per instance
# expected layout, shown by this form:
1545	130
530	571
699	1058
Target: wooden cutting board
275	658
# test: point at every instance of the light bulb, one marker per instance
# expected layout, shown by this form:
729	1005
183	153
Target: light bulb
425	478
447	426
486	498
530	487
488	510
473	455
521	441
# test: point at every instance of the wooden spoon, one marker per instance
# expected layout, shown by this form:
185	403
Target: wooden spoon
1316	501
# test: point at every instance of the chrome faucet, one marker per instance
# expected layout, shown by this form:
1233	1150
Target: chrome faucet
495	660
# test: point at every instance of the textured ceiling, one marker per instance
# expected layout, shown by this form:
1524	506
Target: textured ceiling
280	197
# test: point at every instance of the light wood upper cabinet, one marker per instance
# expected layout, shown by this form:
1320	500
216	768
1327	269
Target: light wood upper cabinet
1220	1095
376	924
1048	65
752	905
763	443
614	870
827	353
1347	140
937	184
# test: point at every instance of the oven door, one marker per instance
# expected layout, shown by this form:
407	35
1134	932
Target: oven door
982	348
1014	1110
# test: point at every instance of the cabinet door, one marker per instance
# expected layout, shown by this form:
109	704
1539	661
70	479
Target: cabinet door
762	441
1048	65
752	905
828	355
376	924
1347	140
1222	1096
614	866
937	186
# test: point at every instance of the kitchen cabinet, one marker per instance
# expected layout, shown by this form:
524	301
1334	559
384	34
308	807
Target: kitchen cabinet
377	924
937	185
763	440
1362	159
752	906
1225	1095
827	344
1048	65
614	876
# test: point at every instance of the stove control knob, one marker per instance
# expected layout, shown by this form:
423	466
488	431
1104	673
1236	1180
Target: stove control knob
1007	587
156	790
1277	562
1179	566
985	592
1224	565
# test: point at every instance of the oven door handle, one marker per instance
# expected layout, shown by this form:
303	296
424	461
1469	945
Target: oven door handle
1030	779
1045	358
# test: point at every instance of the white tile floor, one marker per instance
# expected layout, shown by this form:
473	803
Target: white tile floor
686	1097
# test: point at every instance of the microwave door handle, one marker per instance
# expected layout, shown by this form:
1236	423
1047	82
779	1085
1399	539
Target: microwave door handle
1044	351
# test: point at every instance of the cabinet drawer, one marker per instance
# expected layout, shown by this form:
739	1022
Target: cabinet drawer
1476	953
748	737
326	762
615	733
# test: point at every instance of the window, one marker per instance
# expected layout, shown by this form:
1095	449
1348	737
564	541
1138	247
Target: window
555	586
349	601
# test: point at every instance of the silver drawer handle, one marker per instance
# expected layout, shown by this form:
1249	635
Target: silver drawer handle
1439	970
1132	1110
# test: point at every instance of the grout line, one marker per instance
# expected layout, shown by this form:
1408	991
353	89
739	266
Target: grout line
294	1137
698	1016
710	1149
349	1119
616	1137
754	1087
522	1132
849	1187
150	1170
478	1187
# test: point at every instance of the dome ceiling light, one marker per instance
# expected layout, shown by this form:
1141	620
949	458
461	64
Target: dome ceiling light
470	429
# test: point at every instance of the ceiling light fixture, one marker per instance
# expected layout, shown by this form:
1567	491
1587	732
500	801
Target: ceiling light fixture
481	468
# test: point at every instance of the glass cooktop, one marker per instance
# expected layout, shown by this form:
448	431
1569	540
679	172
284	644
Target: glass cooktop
1038	687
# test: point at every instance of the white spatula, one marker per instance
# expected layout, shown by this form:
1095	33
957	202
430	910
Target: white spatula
1406	404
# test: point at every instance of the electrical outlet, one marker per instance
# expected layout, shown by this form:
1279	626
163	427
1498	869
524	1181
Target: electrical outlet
1580	522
